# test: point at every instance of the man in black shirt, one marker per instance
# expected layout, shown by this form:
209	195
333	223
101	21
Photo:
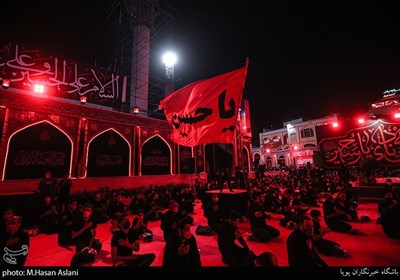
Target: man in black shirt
300	247
170	219
125	240
257	217
84	229
213	213
181	250
64	190
233	254
48	185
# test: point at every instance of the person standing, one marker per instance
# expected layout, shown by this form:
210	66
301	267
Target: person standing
47	186
63	192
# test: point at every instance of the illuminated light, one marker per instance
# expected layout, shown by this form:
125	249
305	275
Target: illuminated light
136	110
268	150
6	83
335	125
83	99
38	88
295	147
361	120
244	127
390	92
397	116
169	59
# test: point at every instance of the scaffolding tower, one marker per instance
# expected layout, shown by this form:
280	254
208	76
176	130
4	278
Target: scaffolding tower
141	28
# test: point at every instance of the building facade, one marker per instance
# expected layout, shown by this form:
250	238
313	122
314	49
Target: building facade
67	118
296	144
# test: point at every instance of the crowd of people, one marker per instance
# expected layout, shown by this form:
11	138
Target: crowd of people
75	218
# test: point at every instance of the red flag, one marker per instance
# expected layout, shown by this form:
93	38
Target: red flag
206	111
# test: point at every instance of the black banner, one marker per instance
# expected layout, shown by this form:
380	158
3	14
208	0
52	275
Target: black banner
156	157
186	160
108	156
379	141
61	78
36	149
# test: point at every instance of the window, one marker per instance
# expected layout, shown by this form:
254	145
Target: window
281	161
307	132
268	162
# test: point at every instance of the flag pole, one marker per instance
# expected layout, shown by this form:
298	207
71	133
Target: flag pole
236	149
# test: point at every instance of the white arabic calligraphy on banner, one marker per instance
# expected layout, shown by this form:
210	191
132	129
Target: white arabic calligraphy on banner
25	68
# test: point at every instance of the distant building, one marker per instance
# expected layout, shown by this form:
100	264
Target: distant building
388	107
295	144
370	139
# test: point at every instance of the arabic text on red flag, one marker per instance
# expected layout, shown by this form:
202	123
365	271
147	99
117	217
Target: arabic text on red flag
205	111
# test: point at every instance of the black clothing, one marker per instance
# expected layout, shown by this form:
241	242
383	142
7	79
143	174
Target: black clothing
168	224
258	225
214	215
48	187
123	251
64	189
66	219
173	259
84	238
100	211
115	209
142	228
335	223
325	246
301	251
232	254
390	219
141	260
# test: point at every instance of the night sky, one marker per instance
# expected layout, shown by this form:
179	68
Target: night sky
308	59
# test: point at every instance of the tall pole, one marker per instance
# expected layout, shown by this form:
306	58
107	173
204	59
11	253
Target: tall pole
142	17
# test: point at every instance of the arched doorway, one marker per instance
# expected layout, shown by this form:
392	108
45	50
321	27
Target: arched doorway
37	148
156	157
108	155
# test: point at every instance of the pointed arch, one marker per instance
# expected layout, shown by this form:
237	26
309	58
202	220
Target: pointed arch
30	159
155	160
108	156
